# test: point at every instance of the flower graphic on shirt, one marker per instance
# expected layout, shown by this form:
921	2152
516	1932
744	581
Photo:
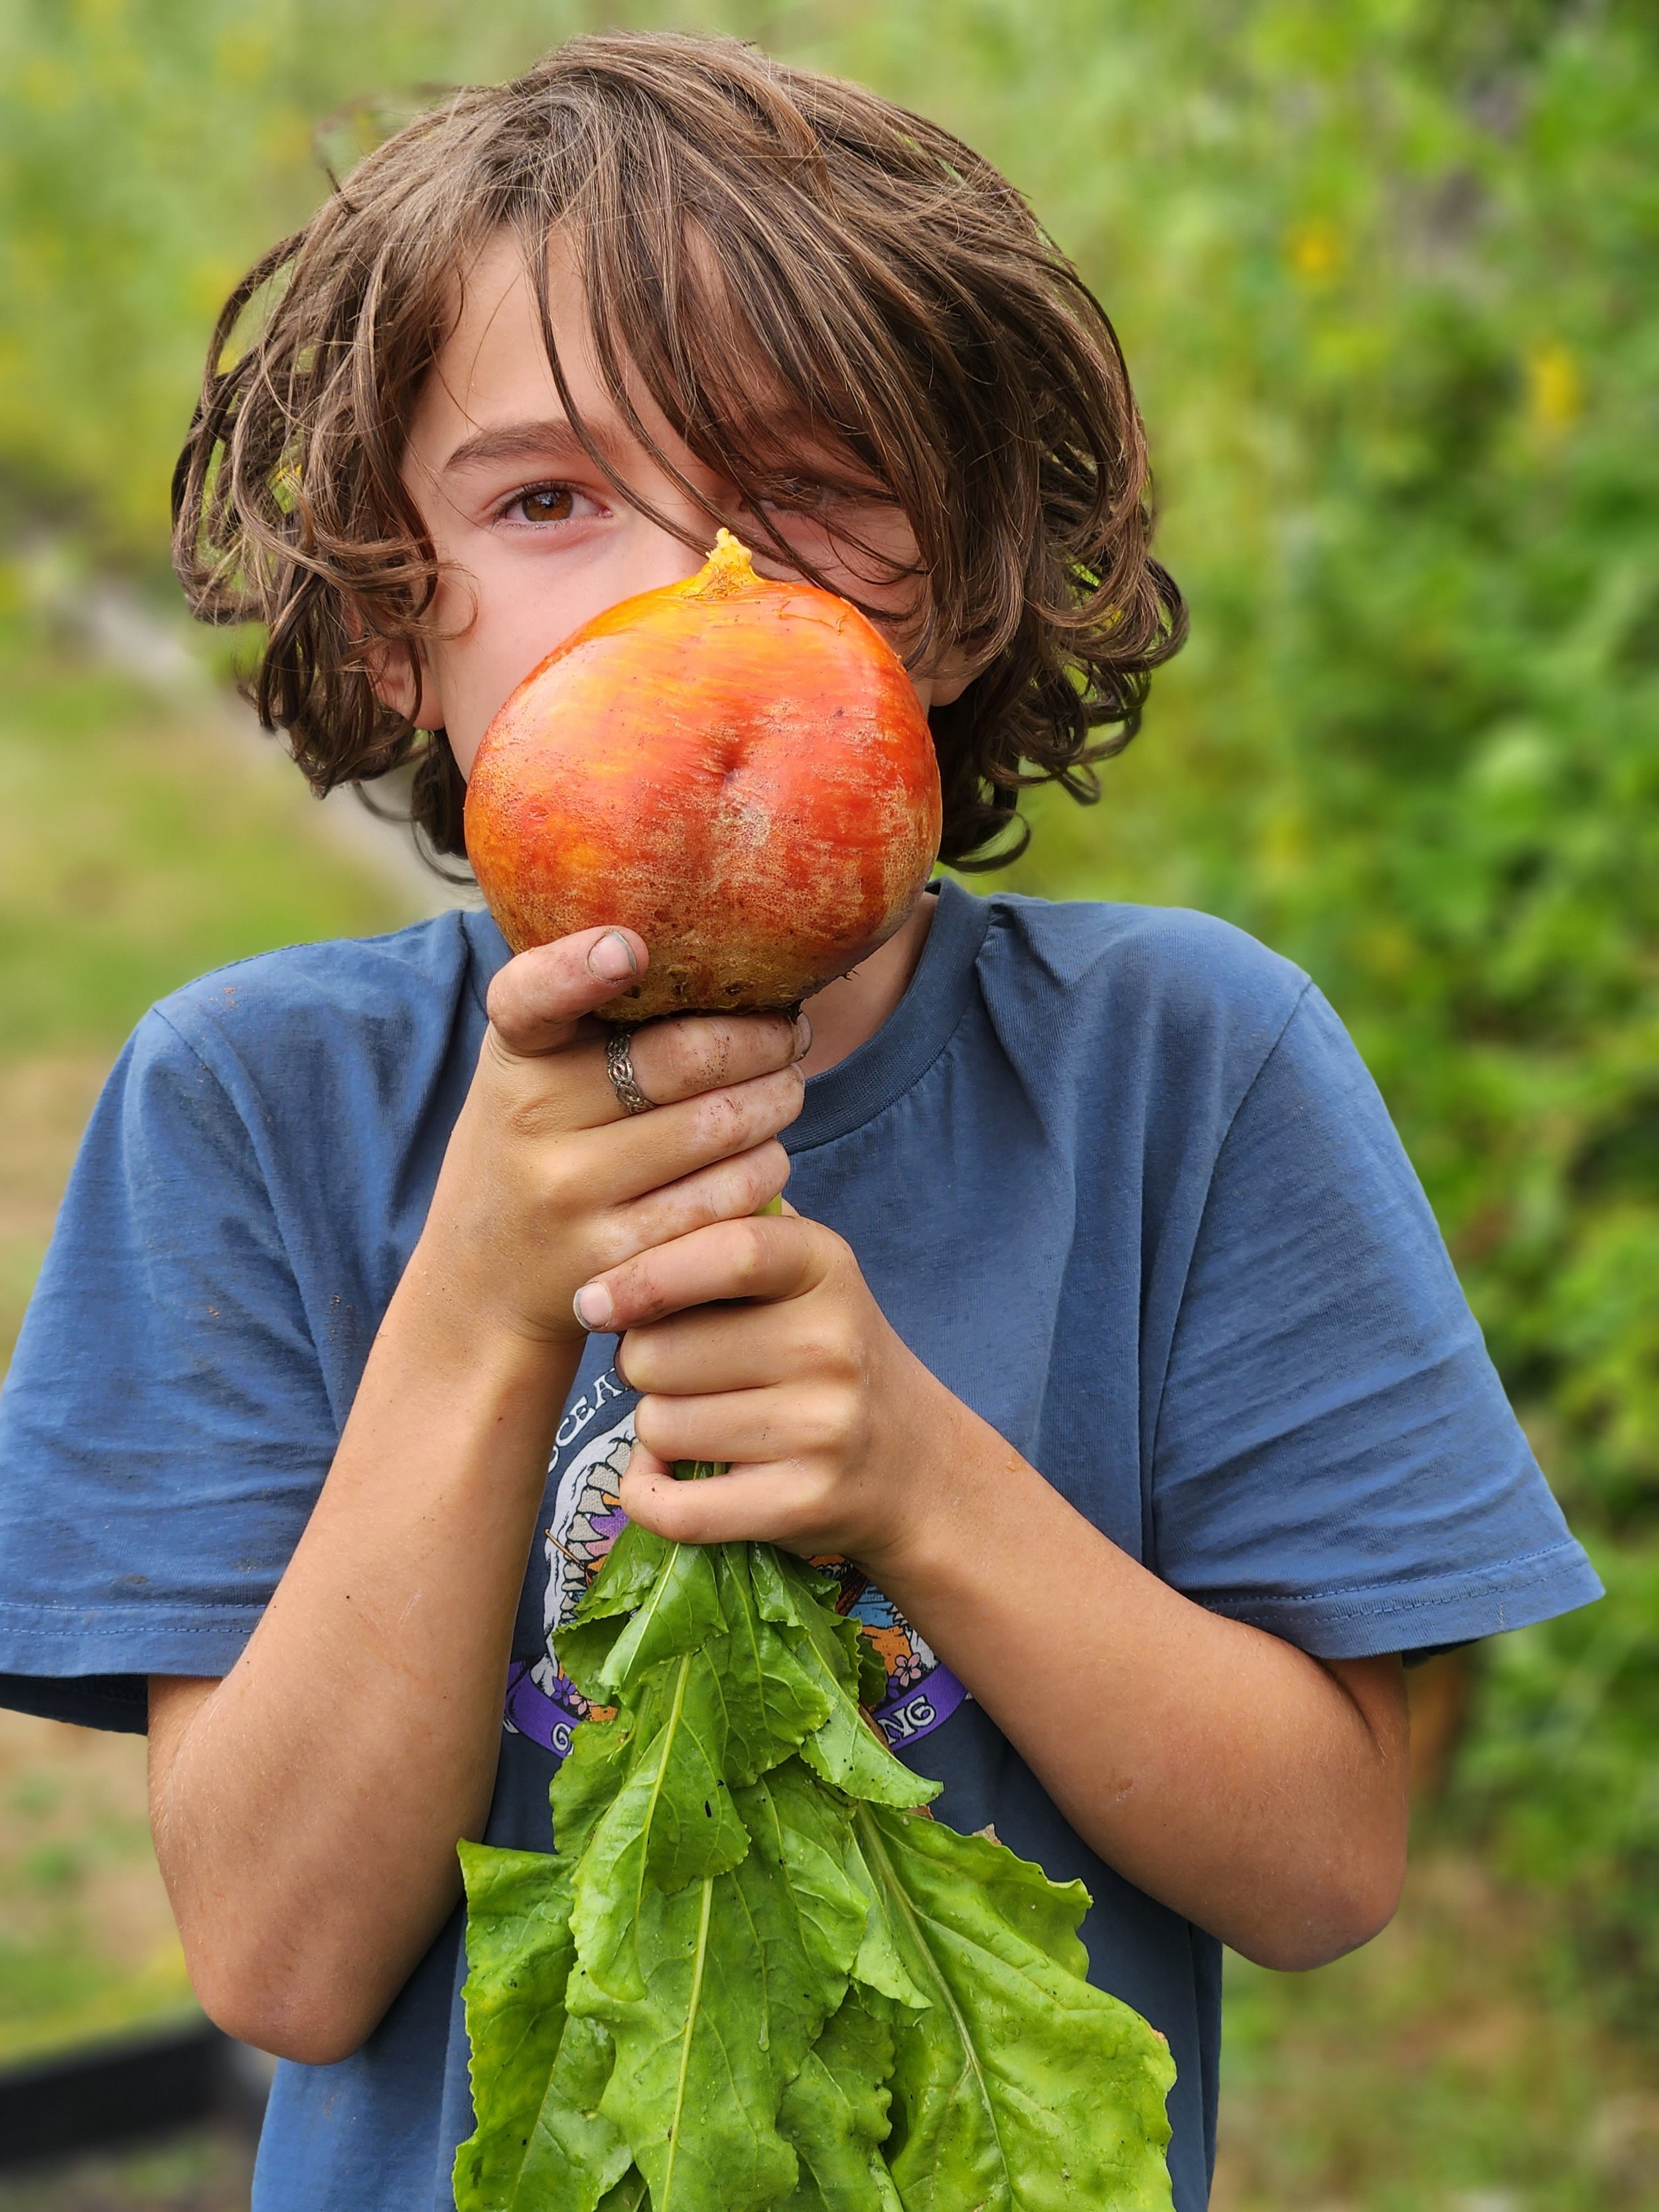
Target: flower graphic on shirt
908	1658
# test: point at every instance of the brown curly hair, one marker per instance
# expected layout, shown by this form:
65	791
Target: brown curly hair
740	226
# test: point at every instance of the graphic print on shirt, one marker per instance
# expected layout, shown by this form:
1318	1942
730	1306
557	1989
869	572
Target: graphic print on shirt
590	1456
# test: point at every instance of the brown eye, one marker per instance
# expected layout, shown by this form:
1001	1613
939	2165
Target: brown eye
548	503
798	492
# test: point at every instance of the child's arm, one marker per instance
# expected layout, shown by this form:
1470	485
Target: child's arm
1254	1789
307	1808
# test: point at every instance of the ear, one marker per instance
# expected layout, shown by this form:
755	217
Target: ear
405	688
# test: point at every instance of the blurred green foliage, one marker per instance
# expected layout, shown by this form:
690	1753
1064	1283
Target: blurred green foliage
1381	270
1385	273
1561	1782
77	1963
151	149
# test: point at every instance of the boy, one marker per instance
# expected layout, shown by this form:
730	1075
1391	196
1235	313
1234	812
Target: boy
1111	1337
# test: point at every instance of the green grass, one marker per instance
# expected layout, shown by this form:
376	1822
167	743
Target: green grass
1457	2064
144	838
87	1944
141	841
139	845
204	2170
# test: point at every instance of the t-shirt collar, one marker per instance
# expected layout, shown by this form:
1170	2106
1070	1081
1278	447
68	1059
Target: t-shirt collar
854	1091
885	1066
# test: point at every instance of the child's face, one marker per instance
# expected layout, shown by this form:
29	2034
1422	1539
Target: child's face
534	539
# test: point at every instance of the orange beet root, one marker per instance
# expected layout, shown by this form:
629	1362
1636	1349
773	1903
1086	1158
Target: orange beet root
736	768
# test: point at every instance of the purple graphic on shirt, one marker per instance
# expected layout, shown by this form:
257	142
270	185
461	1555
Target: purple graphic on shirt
546	1719
544	1704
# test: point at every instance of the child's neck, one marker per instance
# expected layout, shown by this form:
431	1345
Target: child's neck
854	1007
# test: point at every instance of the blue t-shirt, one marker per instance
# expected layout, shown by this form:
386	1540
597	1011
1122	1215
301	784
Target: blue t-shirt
1115	1174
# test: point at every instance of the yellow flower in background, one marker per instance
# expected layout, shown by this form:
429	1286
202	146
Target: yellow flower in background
1314	250
287	483
1386	950
47	85
207	283
1555	389
1282	847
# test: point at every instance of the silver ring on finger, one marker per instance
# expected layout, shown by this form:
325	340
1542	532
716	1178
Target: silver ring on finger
619	1067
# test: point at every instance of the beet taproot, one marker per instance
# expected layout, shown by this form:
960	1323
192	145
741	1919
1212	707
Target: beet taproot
737	768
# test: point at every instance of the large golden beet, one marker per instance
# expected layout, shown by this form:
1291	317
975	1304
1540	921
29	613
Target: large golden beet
736	768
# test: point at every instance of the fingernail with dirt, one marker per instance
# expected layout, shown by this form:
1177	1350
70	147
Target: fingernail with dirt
613	957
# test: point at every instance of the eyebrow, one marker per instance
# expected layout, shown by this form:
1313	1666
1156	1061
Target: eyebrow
550	441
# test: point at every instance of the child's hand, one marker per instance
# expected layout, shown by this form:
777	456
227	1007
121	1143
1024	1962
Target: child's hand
835	1430
547	1179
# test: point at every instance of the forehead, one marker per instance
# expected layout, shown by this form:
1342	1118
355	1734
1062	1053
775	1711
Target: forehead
492	366
493	371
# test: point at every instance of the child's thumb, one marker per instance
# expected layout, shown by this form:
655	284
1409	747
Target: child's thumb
536	1001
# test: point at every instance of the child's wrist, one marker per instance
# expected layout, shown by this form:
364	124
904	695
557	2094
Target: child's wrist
455	1315
961	1478
919	1534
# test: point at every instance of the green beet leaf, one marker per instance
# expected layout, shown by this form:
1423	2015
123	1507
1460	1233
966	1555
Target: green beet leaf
629	2195
586	1784
879	1968
801	1837
630	1572
679	1611
848	1751
700	2050
753	1975
732	1979
540	2144
772	1702
787	1589
835	2114
698	1725
1021	2088
671	1822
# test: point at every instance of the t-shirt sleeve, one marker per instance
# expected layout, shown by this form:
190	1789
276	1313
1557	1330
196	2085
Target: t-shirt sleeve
165	1426
1334	1459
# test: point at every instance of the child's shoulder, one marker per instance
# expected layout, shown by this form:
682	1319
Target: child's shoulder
330	975
1169	975
329	1011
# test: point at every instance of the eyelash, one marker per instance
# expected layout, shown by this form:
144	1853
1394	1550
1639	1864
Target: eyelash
537	491
790	494
797	494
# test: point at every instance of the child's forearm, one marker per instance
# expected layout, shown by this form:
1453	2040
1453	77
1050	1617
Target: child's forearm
306	1808
1256	1790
